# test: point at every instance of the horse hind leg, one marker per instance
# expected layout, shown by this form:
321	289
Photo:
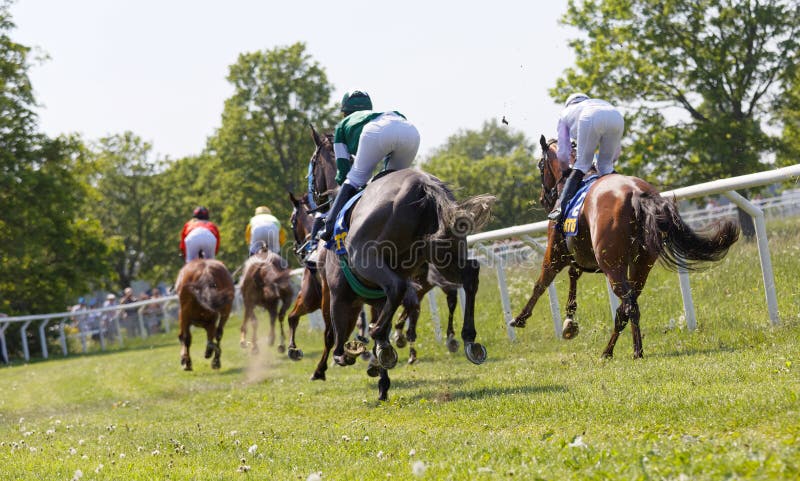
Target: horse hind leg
273	315
452	302
249	318
185	337
399	335
570	327
627	306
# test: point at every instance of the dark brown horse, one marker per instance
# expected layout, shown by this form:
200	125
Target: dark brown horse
624	228
406	224
205	291
266	282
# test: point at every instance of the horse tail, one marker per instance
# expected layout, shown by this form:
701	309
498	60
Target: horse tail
208	294
454	218
677	244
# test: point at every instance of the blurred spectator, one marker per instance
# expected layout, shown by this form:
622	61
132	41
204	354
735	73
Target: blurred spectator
154	313
78	316
107	321
129	317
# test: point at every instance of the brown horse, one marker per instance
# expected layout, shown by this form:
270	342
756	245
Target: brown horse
205	290
625	226
266	282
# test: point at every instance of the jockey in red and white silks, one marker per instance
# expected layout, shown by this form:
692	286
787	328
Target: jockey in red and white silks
199	234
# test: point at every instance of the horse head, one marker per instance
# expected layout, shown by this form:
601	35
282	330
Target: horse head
301	218
550	172
323	168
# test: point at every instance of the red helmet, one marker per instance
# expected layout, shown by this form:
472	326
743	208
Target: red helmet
200	213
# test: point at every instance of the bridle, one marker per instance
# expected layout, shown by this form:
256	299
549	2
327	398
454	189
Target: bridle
321	198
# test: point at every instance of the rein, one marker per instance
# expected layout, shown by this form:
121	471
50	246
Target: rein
549	196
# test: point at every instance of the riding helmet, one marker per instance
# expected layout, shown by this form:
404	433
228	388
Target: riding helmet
263	210
354	101
575	98
200	213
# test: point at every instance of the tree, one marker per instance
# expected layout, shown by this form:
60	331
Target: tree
494	160
130	202
49	249
695	77
789	115
264	143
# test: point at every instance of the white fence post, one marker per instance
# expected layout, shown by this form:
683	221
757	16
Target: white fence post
43	337
688	302
763	252
502	285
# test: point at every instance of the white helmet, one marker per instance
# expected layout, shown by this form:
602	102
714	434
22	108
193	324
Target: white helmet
575	98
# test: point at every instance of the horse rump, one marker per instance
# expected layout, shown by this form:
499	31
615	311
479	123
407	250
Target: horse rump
662	230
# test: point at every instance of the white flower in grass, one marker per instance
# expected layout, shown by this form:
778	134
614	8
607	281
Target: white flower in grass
121	455
50	432
155	452
73	451
139	449
345	438
366	438
243	469
98	469
577	442
57	422
380	455
252	449
315	476
21	420
418	468
78	475
412	452
80	442
27	433
32	449
234	433
84	457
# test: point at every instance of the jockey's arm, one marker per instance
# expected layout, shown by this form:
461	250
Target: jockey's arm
564	145
282	236
342	161
247	234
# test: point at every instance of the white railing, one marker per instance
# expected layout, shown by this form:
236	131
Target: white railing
519	244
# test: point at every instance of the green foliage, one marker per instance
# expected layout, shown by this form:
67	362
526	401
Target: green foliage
49	250
716	403
789	115
264	143
495	160
695	78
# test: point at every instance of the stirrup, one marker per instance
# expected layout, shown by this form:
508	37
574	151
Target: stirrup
555	214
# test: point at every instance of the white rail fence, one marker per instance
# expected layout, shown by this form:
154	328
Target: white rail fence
519	244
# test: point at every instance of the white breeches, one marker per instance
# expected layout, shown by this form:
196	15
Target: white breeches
387	136
269	233
197	240
599	129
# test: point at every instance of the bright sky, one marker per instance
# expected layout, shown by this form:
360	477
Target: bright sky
158	67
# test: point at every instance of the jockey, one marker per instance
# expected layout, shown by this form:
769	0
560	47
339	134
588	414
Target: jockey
370	136
264	227
595	125
199	234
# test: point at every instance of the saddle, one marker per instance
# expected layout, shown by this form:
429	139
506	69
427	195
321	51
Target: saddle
570	224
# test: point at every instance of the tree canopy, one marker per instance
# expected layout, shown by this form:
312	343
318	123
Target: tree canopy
697	79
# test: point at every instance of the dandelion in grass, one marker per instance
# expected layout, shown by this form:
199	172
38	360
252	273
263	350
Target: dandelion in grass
577	442
78	475
121	455
243	469
73	451
366	438
315	476
81	442
418	468
98	469
412	452
50	432
380	455
345	438
155	452
252	449
32	449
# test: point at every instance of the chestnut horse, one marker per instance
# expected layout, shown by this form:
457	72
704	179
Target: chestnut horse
309	298
624	227
205	290
265	282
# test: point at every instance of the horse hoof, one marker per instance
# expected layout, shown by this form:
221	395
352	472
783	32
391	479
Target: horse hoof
365	356
373	370
344	360
243	344
295	354
475	352
271	340
318	376
412	359
399	339
387	356
187	364
281	348
209	352
452	344
570	329
518	323
354	348
215	364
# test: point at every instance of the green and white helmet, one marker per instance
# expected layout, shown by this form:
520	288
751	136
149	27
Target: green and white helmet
355	101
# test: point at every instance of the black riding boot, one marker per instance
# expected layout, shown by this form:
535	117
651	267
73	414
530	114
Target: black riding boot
570	188
319	223
346	191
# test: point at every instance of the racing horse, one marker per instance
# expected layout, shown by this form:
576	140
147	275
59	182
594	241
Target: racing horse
205	291
624	228
406	224
309	298
265	282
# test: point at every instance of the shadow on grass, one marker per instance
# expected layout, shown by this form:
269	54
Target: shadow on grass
444	395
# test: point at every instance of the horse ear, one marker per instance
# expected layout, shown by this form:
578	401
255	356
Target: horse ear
543	143
293	199
315	135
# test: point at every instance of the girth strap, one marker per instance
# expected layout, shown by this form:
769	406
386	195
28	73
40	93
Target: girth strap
359	288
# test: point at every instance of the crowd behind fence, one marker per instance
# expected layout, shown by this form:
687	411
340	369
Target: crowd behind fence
116	323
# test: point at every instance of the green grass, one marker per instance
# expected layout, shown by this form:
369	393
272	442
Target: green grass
717	403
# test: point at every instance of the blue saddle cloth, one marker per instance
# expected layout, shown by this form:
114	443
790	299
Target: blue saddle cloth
342	226
570	225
